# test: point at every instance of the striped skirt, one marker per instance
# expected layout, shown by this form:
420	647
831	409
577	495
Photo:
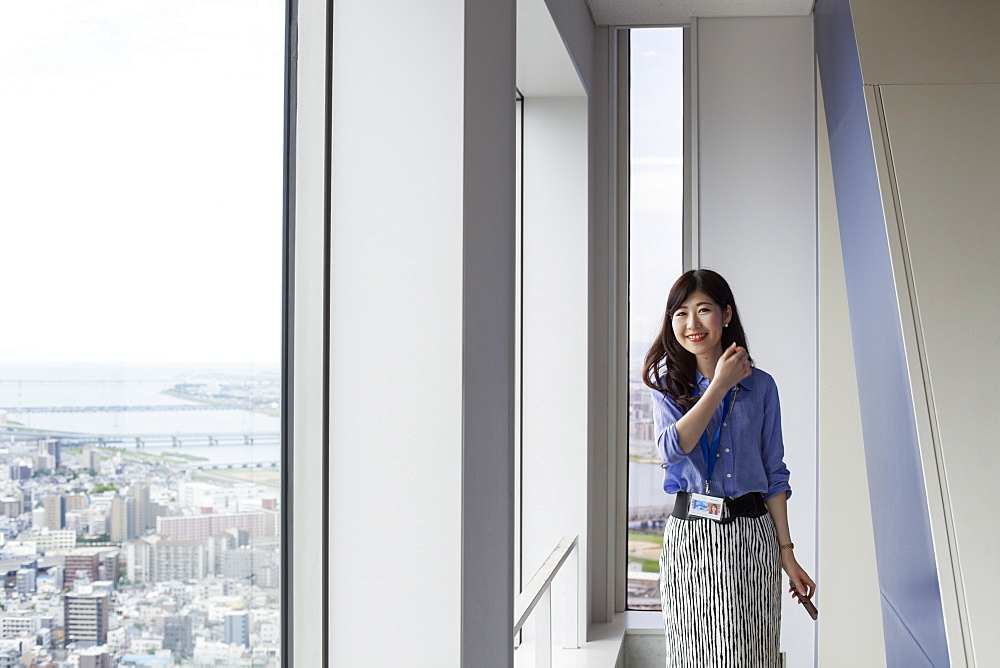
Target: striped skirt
720	586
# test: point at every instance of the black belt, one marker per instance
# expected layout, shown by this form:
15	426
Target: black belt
748	505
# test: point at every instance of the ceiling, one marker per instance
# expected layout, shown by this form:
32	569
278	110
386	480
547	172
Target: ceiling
665	12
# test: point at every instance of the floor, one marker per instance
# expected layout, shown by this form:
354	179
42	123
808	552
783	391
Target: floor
643	645
643	650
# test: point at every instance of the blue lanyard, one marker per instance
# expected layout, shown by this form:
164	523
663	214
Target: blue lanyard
711	452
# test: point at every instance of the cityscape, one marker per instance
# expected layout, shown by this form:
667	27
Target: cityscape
648	505
140	521
135	544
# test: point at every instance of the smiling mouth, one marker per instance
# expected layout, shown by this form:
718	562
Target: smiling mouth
695	338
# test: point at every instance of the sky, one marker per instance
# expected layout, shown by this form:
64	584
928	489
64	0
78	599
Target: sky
141	180
656	186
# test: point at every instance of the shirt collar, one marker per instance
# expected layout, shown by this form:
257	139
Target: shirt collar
701	380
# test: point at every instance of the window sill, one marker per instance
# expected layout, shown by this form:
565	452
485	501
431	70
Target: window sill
605	647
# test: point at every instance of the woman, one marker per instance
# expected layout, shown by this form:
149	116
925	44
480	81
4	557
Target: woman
718	430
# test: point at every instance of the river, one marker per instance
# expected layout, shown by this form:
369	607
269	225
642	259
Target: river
91	385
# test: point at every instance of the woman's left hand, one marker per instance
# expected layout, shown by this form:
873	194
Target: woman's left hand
798	579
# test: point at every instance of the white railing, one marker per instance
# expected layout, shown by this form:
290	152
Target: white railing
537	598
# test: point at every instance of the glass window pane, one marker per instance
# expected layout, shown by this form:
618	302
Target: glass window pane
140	377
656	188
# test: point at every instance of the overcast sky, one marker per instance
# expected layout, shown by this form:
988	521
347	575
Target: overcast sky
657	177
140	180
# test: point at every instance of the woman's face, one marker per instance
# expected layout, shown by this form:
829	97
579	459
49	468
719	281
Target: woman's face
698	324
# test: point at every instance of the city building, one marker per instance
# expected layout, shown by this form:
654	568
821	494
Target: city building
109	566
200	527
85	614
51	448
267	573
138	559
55	575
141	516
94	563
47	540
92	459
215	547
237	628
19	623
177	635
96	657
178	560
82	563
55	511
10	658
44	462
270	633
76	502
25	581
20	472
11	506
122	519
239	564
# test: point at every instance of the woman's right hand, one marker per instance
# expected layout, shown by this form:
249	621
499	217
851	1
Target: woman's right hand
732	367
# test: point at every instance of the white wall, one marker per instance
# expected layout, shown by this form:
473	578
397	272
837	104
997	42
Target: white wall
554	372
945	142
849	596
757	226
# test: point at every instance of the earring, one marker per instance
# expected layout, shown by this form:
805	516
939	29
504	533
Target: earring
726	325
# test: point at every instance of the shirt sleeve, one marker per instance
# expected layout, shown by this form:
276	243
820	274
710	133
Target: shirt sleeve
666	413
772	447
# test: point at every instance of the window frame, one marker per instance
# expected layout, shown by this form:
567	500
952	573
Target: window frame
620	70
305	332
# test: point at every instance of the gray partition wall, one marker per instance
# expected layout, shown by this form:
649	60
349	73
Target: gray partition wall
911	96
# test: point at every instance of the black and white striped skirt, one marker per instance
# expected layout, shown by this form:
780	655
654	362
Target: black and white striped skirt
720	587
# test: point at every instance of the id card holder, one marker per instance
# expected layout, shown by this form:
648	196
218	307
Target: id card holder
703	505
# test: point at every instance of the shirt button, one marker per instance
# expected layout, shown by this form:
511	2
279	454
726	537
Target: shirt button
725	424
727	449
729	475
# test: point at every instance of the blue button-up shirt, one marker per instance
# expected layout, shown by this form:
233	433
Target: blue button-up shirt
751	453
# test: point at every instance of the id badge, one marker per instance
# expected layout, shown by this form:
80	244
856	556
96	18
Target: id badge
702	505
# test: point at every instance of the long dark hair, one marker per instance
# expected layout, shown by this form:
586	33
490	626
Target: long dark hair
669	367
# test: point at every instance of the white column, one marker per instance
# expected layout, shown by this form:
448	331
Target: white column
421	185
757	226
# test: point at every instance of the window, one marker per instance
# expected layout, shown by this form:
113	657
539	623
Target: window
656	215
140	379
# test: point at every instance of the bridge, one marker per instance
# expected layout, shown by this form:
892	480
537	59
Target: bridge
174	440
24	410
237	466
147	440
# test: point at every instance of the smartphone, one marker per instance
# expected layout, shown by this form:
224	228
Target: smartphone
807	604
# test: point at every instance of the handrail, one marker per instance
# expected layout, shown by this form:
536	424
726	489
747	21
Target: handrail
538	594
528	599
